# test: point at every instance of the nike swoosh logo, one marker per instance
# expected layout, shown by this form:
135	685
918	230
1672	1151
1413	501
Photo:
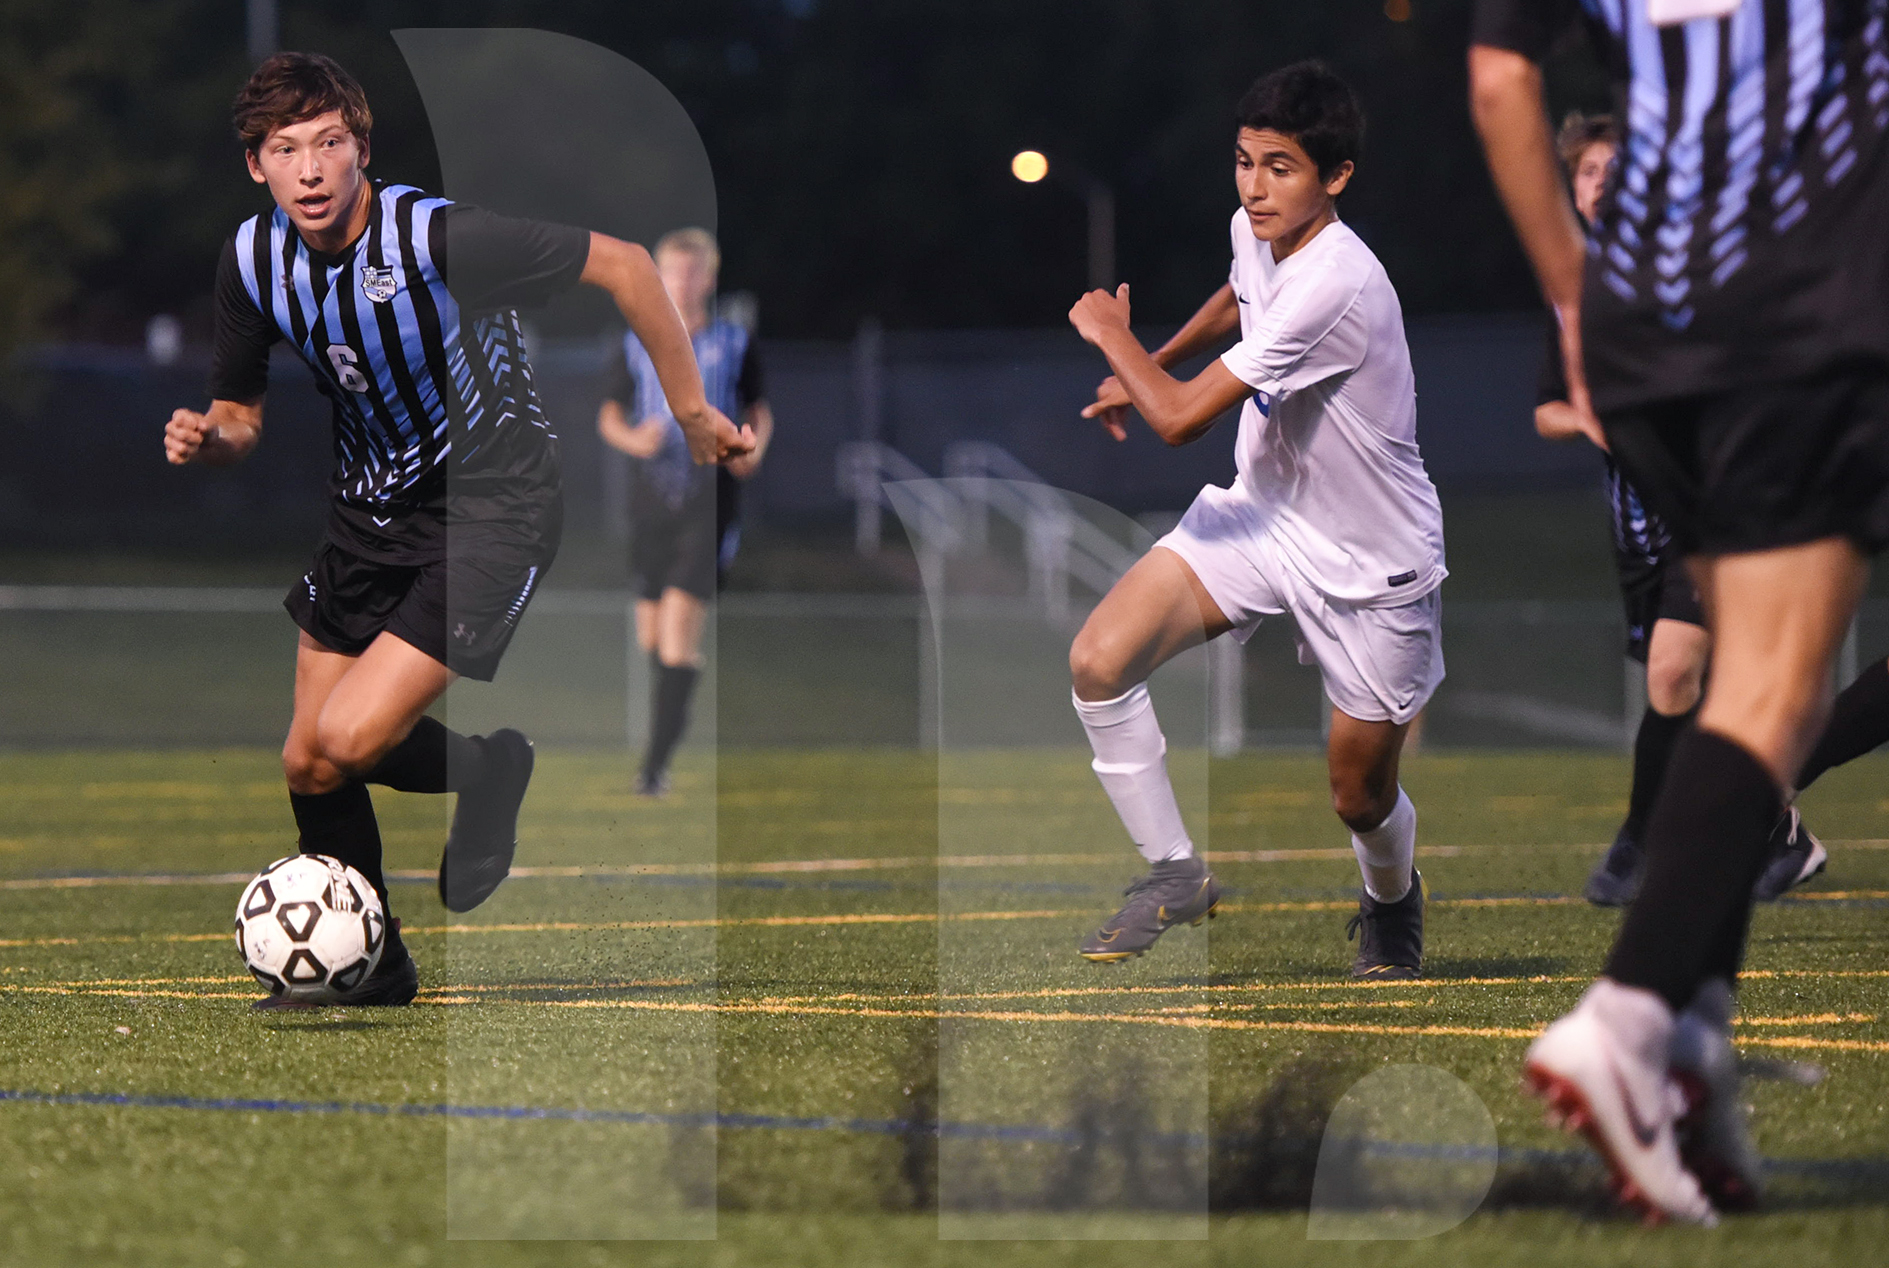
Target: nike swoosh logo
1641	1132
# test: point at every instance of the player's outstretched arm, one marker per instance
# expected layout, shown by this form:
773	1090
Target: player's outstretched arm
1505	97
223	435
1178	410
1215	320
625	270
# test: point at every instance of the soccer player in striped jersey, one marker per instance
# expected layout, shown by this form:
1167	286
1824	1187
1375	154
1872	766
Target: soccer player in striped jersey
1725	330
685	522
447	498
1665	620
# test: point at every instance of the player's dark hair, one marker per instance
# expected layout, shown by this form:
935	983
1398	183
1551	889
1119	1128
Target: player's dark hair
1578	131
290	87
1314	107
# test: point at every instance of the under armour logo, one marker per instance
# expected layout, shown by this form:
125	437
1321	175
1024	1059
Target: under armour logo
464	635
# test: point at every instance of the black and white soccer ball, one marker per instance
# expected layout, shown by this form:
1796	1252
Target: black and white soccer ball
310	927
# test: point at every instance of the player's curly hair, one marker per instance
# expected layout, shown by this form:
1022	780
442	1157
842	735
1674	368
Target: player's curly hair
1314	107
1578	131
290	87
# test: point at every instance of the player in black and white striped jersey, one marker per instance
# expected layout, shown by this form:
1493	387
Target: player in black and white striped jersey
447	495
1725	331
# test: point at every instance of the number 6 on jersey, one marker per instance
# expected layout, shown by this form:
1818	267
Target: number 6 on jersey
347	369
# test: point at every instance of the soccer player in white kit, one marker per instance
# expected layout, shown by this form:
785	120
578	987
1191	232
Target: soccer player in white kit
1331	519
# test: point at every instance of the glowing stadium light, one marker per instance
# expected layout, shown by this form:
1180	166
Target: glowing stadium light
1029	166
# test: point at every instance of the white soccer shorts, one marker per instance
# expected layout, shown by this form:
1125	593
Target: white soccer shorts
1379	664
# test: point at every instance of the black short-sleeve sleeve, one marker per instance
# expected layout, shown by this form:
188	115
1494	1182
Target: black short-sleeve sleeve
749	384
490	261
239	359
1528	27
619	381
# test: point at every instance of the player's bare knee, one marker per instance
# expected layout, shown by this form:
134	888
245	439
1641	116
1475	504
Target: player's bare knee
1096	672
350	745
306	772
1360	802
1674	684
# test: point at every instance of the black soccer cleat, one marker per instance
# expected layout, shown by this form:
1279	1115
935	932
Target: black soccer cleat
478	854
1796	856
1173	892
1391	946
1616	878
394	981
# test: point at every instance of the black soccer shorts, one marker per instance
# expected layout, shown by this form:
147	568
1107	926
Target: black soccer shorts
1757	468
461	610
1666	593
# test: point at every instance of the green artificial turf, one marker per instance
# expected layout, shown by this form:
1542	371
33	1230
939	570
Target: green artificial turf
870	956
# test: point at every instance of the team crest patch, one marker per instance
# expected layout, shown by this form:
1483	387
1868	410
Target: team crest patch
378	284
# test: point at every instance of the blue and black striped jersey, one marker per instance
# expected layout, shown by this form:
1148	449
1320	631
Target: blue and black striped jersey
731	381
1744	238
412	333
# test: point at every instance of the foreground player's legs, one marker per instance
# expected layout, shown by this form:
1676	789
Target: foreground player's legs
1363	757
1156	611
1676	653
670	631
349	713
1777	617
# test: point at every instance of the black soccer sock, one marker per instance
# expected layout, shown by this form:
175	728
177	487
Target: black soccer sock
1706	841
341	824
432	759
674	685
1859	722
1652	753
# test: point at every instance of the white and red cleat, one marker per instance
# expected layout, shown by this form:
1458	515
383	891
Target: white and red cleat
1604	1071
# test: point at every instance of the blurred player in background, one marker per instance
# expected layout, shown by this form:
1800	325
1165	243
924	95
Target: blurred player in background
447	493
1665	620
1725	333
685	521
1331	518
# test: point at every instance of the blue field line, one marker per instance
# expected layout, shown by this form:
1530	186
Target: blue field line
1856	1170
260	1105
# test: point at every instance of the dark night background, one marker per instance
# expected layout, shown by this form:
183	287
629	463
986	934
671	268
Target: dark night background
860	148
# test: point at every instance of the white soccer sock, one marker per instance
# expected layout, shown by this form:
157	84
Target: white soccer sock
1131	762
1386	852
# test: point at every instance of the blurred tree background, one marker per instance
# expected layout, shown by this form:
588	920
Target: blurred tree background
861	147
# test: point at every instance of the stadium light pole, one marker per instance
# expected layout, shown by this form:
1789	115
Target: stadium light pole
1032	166
264	29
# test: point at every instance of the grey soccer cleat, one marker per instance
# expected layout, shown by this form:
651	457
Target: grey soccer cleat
1796	856
1176	891
1714	1137
1391	948
484	836
1616	878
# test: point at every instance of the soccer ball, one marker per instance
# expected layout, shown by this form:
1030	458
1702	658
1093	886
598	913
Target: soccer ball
310	927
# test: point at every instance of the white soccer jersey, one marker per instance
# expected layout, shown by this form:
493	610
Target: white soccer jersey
1328	442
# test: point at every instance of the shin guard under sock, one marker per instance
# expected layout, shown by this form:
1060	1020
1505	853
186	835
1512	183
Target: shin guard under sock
432	759
1859	722
1652	753
675	684
1706	841
341	824
1131	762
